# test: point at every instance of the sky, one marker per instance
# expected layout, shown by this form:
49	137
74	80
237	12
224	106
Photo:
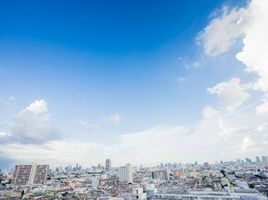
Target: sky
138	82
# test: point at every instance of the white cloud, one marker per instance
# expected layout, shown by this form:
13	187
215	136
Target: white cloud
263	108
220	135
223	31
247	144
182	79
7	101
231	94
187	64
251	25
112	119
89	126
38	107
55	153
262	127
32	125
209	111
254	53
160	143
4	136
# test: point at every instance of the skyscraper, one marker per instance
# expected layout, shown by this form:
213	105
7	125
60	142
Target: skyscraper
125	174
30	174
108	165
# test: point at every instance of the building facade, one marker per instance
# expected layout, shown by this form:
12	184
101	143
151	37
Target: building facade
125	174
30	175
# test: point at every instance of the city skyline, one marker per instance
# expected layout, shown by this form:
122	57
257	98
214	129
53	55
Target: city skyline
234	180
140	82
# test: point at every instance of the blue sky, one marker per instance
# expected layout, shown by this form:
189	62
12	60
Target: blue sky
109	68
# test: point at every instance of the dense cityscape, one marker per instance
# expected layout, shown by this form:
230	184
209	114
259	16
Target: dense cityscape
240	179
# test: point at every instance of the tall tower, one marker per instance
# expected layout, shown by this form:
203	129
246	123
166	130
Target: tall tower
108	165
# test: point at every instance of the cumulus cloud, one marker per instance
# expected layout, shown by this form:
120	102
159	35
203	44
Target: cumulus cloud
38	107
249	24
32	125
222	32
231	94
254	53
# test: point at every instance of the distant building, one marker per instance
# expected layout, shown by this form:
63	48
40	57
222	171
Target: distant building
125	174
258	160
30	174
264	158
206	164
161	175
150	190
108	165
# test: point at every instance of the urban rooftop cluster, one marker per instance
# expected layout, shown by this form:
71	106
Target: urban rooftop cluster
232	180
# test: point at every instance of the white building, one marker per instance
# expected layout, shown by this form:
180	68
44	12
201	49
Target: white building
212	195
125	174
138	193
150	190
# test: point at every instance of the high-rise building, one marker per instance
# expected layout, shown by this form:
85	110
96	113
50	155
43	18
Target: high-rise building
30	174
108	165
160	175
40	174
125	174
258	160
